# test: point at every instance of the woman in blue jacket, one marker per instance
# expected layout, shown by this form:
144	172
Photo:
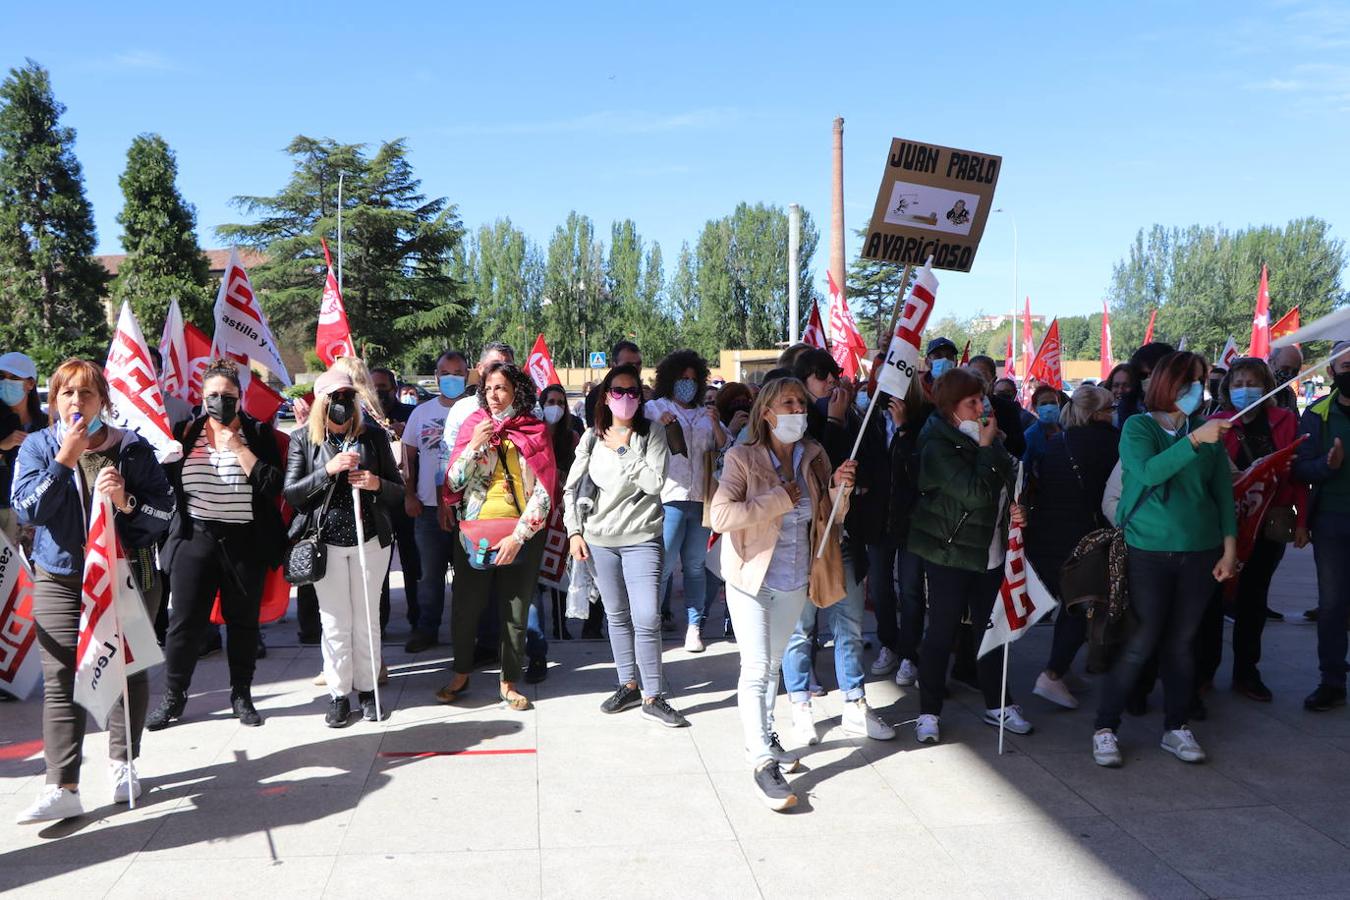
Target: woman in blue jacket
60	471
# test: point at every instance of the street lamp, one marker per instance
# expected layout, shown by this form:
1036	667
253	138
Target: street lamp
1012	218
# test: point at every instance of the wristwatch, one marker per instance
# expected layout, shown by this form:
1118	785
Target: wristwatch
132	503
623	450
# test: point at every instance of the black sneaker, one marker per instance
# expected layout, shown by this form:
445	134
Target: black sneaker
339	713
1274	616
1324	698
170	710
773	787
419	641
660	711
242	704
624	698
369	711
536	671
1253	688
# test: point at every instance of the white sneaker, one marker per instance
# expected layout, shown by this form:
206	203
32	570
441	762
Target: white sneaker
126	784
1014	721
861	721
1055	690
908	673
52	805
926	729
1106	749
693	641
1183	745
804	724
886	662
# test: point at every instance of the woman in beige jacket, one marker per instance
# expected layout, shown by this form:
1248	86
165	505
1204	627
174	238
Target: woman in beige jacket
771	507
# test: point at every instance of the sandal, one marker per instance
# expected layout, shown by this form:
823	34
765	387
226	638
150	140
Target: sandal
448	695
520	703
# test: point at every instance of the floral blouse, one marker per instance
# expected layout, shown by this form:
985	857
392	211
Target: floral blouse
473	473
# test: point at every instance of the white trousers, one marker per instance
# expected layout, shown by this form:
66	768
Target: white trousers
351	654
763	625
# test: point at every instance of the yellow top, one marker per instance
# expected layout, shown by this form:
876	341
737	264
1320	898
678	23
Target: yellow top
497	504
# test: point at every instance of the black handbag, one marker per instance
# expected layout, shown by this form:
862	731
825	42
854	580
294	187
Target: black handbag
307	558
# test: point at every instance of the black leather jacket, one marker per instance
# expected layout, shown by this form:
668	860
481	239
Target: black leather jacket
307	480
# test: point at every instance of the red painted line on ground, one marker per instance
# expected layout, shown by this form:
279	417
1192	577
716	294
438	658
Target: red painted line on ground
419	754
21	750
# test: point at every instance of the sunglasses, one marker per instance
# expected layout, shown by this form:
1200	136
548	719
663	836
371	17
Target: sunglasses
618	393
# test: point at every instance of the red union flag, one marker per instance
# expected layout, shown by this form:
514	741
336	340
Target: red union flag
134	390
116	638
1028	342
1260	345
1022	600
1288	324
20	668
174	354
1253	492
241	326
902	355
965	355
1009	364
1045	368
198	357
1148	332
334	335
846	343
814	335
1229	355
540	365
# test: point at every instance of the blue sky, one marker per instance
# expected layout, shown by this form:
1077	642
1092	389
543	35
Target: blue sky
1109	117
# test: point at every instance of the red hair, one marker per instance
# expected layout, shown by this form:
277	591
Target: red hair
1172	375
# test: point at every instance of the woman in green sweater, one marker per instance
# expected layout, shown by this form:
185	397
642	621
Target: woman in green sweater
1181	530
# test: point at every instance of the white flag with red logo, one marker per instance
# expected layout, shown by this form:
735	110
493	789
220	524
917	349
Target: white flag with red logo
902	356
814	335
241	325
20	666
846	344
1229	355
134	389
540	365
334	336
116	637
173	353
1022	599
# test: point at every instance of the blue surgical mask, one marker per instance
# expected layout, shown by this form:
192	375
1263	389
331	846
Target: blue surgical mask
95	423
861	401
1244	397
686	389
12	392
941	366
1189	401
451	385
1048	413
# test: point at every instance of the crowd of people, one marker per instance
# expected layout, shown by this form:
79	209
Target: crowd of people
730	485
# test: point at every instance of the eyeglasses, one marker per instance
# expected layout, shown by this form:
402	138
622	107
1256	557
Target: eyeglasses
349	396
618	393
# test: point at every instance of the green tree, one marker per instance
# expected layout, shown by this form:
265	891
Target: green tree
159	236
402	299
50	285
655	330
505	282
575	292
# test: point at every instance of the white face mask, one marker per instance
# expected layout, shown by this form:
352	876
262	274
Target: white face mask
790	427
970	428
553	414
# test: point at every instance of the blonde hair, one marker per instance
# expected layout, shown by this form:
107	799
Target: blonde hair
768	395
318	418
356	370
1086	402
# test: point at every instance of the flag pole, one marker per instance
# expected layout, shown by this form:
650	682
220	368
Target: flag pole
126	689
365	592
340	174
895	315
1003	699
1292	381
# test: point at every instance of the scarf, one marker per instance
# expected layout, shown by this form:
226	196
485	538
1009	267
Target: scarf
529	436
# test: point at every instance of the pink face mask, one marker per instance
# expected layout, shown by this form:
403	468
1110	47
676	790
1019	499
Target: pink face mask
623	407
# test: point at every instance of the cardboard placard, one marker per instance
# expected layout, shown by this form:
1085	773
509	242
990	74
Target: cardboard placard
933	201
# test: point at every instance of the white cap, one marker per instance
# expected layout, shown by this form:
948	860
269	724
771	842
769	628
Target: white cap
18	364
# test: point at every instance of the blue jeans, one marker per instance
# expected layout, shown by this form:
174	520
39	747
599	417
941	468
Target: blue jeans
536	645
1331	532
845	621
433	546
687	539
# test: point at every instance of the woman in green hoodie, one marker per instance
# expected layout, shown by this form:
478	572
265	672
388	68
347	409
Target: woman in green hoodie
1181	530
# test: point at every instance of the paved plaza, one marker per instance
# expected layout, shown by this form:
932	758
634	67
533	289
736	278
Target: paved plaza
562	801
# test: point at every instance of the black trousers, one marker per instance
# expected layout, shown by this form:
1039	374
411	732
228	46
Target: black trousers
410	562
510	590
218	557
951	594
1249	610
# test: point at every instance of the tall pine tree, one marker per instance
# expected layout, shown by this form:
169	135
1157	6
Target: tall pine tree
163	260
50	284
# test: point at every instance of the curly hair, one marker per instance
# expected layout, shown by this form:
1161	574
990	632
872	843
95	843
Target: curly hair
669	370
222	368
524	398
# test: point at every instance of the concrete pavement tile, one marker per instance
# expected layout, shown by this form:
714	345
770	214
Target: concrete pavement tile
1331	817
627	744
106	832
631	869
1150	781
847	798
848	866
1303	771
1251	851
598	808
20	881
401	876
295	879
1070	858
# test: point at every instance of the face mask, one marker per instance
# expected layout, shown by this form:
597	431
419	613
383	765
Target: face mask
1342	381
504	414
790	427
409	399
861	401
451	385
1214	387
385	397
12	392
822	405
686	389
1189	401
1244	397
970	428
339	412
624	407
941	366
95	424
1283	374
222	407
553	414
1143	385
1048	413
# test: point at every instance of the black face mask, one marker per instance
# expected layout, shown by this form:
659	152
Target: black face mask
1342	380
1214	387
222	407
340	412
1284	374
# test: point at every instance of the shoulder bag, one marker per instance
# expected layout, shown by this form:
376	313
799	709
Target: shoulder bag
480	536
307	559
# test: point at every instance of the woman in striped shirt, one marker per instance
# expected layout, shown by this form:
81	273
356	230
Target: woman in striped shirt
226	534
